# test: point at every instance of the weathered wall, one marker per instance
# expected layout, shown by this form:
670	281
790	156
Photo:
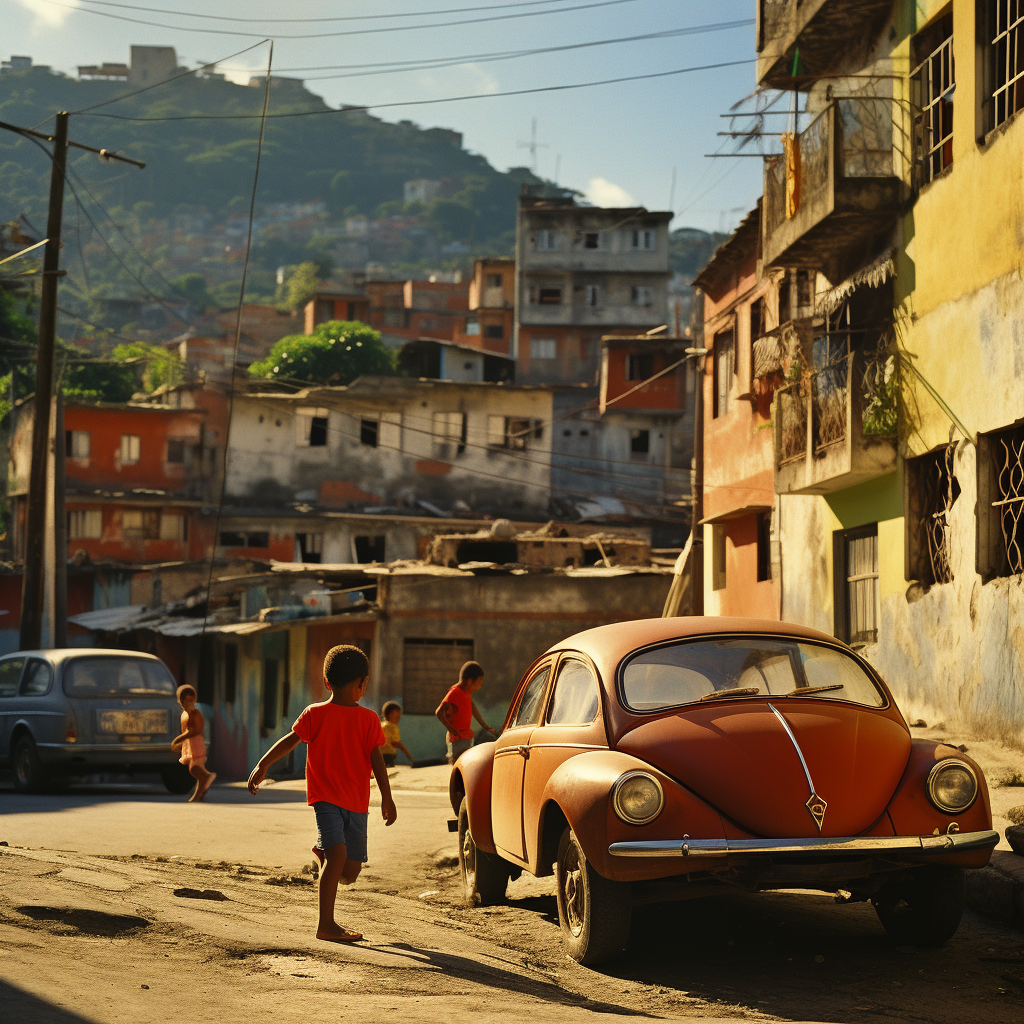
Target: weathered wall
743	594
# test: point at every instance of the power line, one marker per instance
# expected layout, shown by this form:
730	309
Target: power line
350	32
443	99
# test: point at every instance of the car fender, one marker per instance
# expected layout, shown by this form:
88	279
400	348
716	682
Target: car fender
581	788
913	813
471	778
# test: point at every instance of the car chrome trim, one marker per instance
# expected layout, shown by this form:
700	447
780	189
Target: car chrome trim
573	746
686	847
816	805
936	769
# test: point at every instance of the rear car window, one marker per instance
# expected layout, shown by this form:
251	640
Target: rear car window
10	673
37	678
575	701
688	672
103	676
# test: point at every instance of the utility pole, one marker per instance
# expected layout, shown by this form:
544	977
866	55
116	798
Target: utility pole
697	485
41	505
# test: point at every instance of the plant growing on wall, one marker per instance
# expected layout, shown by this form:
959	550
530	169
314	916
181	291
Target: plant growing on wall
337	352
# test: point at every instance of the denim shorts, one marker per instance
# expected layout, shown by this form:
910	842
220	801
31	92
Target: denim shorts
336	825
458	747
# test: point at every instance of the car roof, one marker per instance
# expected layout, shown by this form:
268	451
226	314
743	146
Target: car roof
58	654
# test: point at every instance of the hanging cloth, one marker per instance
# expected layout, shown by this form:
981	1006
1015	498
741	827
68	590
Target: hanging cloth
791	151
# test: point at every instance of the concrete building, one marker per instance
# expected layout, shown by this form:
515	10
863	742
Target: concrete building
898	450
492	296
404	310
152	64
583	272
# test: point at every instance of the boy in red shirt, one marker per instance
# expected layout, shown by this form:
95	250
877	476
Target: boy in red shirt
343	742
457	711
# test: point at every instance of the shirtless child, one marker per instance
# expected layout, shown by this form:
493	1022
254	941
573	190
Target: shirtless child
343	742
191	744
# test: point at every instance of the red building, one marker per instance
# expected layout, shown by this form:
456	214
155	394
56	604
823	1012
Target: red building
403	310
739	491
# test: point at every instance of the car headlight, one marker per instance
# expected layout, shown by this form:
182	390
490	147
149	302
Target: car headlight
637	798
952	785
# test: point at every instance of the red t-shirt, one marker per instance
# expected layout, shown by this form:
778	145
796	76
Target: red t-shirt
339	741
463	720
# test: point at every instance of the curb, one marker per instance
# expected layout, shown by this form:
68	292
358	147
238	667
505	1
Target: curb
998	890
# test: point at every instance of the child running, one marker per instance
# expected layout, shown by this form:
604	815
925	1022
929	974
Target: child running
191	744
343	742
391	715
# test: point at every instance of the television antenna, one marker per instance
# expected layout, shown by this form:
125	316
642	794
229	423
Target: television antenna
533	145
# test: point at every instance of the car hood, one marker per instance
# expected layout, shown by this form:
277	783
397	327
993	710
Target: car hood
741	758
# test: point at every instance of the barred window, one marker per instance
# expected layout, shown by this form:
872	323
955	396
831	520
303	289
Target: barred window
933	83
1007	35
931	491
1001	502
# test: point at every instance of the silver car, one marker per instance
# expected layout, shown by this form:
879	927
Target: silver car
83	710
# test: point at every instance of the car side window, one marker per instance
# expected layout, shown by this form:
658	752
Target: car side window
528	712
10	673
576	695
37	678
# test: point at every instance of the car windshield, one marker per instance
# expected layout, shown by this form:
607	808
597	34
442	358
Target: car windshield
706	670
103	676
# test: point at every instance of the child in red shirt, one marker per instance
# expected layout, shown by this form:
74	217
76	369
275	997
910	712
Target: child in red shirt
457	711
343	742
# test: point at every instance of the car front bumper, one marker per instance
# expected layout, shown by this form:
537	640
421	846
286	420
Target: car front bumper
857	846
82	756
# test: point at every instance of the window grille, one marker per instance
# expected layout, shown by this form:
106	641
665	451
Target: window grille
934	80
1009	504
829	395
945	492
1008	59
932	490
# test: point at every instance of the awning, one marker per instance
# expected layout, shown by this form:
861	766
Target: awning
876	273
109	619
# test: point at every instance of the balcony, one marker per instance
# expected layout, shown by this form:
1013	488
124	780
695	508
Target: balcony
836	428
824	31
826	208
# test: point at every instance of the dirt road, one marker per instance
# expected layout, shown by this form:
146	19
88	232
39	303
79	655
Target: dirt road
122	904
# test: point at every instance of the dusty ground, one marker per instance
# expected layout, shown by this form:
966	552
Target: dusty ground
103	919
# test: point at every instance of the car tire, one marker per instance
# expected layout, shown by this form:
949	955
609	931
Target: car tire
29	775
484	875
594	912
177	779
925	910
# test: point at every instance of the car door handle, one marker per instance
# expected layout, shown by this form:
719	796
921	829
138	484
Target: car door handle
524	750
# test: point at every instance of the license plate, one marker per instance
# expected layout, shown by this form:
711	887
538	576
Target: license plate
133	723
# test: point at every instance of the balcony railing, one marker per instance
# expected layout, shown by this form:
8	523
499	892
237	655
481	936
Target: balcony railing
821	30
839	189
836	427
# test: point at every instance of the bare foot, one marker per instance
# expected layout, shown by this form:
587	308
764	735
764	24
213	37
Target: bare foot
201	788
335	933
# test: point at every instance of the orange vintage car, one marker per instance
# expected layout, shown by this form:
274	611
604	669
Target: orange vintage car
671	758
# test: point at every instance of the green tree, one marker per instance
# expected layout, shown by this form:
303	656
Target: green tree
335	353
193	287
302	284
158	366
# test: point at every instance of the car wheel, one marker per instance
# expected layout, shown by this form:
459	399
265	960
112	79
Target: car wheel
177	779
484	875
926	910
593	911
29	776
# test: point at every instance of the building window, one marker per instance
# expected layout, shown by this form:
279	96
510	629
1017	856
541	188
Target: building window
1007	56
244	539
368	432
512	432
764	546
77	444
643	239
1001	503
717	556
311	428
722	369
495	281
592	294
85	524
757	320
592	240
472	325
131	449
173	526
309	547
642	295
855	574
639	365
450	428
176	449
639	442
494	331
138	524
370	549
931	490
933	82
547	240
549	296
543	348
429	667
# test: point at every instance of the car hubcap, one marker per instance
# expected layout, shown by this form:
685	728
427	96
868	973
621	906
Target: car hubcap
573	896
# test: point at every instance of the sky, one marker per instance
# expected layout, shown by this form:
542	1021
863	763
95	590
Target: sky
619	144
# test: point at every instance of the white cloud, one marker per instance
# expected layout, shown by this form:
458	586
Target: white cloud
602	192
485	83
49	15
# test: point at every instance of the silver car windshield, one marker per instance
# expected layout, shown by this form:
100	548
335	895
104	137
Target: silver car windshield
750	667
105	676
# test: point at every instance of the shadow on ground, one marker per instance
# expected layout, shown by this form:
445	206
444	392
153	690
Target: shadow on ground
19	1005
